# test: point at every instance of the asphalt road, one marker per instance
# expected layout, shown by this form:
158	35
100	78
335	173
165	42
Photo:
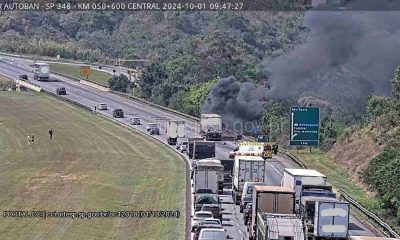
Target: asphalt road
232	219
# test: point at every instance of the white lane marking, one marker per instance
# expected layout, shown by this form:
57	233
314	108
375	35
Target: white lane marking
276	170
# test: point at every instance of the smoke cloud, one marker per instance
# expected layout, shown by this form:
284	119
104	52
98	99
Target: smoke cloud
347	57
235	101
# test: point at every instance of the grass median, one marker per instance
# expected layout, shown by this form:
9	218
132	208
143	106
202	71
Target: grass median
73	70
91	164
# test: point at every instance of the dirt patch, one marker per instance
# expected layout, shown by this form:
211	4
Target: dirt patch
356	151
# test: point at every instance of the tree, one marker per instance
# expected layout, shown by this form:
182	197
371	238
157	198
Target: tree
396	84
152	76
120	83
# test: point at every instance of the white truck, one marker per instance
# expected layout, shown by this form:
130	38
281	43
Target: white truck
175	130
296	178
211	127
246	169
279	226
41	71
209	174
325	217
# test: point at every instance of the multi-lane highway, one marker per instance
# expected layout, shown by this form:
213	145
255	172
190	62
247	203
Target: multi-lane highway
232	219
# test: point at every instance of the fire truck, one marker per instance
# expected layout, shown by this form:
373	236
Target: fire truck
262	149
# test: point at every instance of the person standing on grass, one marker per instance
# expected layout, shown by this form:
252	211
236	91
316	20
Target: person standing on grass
51	134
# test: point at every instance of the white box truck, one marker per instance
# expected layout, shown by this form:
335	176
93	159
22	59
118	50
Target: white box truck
296	178
41	71
246	169
211	127
331	219
175	130
209	174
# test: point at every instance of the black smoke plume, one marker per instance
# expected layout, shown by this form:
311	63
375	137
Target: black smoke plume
346	58
235	101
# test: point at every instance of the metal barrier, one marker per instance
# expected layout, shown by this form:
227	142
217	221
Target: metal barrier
385	228
78	79
68	100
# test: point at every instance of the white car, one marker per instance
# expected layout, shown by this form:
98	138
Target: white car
200	216
212	221
135	121
102	106
150	126
212	234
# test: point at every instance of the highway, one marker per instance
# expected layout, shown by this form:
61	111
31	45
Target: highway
232	219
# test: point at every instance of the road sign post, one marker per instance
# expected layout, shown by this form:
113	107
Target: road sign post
304	126
85	71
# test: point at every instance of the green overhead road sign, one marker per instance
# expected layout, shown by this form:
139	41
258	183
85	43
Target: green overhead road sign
304	126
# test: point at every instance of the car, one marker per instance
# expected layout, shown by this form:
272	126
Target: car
200	216
183	147
23	77
247	213
102	106
118	113
215	209
154	130
150	125
135	121
243	203
210	221
212	234
203	226
61	91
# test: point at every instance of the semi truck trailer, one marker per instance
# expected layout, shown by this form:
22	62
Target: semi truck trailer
246	169
209	174
211	127
296	178
175	130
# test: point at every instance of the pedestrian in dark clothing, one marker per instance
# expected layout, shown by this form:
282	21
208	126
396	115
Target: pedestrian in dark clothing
51	134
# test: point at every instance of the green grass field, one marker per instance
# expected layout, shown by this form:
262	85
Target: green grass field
91	164
98	77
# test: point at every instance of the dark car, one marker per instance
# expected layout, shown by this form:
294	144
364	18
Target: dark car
23	77
118	113
154	130
215	209
61	91
247	212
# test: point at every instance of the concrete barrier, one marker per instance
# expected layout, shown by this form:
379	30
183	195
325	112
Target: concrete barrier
29	85
94	85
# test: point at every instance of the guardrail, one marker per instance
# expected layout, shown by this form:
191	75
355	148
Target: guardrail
78	79
385	228
63	60
68	100
157	106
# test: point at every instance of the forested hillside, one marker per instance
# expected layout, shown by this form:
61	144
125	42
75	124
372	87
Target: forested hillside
183	48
